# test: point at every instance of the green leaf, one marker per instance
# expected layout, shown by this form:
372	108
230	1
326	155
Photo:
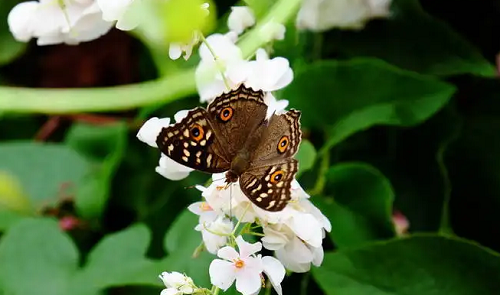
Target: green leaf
119	260
361	208
357	94
306	156
37	255
418	265
43	168
104	146
181	242
10	48
414	40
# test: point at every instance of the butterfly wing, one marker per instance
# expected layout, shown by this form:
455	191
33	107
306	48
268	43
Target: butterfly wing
192	142
280	139
267	183
235	116
269	187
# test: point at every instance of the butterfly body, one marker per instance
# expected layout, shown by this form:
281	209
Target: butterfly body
234	136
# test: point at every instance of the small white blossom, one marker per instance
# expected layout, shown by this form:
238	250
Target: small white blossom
53	22
172	170
245	268
150	130
268	74
121	11
167	167
215	233
176	283
240	18
321	15
209	79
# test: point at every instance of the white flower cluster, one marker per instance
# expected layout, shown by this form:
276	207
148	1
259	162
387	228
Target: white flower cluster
321	15
75	21
295	234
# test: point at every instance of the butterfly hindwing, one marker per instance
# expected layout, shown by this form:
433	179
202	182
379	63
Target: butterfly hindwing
192	142
269	187
235	116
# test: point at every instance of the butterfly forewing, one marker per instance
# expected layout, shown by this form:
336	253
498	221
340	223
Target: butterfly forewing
235	116
269	187
192	142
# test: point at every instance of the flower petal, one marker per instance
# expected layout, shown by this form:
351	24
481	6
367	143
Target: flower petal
150	130
275	271
20	20
228	253
172	170
248	282
222	273
246	249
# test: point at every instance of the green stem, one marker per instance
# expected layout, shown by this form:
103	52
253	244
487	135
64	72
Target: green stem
321	181
59	101
281	12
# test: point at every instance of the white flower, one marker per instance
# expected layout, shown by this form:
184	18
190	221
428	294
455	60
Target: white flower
172	170
215	233
121	11
321	15
296	233
167	167
150	130
246	268
240	18
53	22
264	73
176	283
176	49
209	79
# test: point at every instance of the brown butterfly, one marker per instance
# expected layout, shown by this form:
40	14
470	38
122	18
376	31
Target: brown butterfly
233	135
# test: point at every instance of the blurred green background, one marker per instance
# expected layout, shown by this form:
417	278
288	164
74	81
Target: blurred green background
402	116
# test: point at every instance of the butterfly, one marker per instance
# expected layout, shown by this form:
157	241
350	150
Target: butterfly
233	134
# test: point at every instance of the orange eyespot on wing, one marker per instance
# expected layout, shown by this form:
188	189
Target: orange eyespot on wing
283	144
277	176
226	114
196	132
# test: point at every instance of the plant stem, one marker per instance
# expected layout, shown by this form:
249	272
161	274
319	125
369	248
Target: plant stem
59	101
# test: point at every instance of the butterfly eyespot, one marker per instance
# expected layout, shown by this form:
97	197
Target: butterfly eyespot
283	144
277	176
196	132
226	114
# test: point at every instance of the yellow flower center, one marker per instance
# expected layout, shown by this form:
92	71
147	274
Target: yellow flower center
205	207
239	263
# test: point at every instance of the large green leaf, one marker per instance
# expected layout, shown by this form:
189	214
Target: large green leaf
349	96
9	47
104	146
43	168
361	208
37	255
414	40
119	260
418	265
